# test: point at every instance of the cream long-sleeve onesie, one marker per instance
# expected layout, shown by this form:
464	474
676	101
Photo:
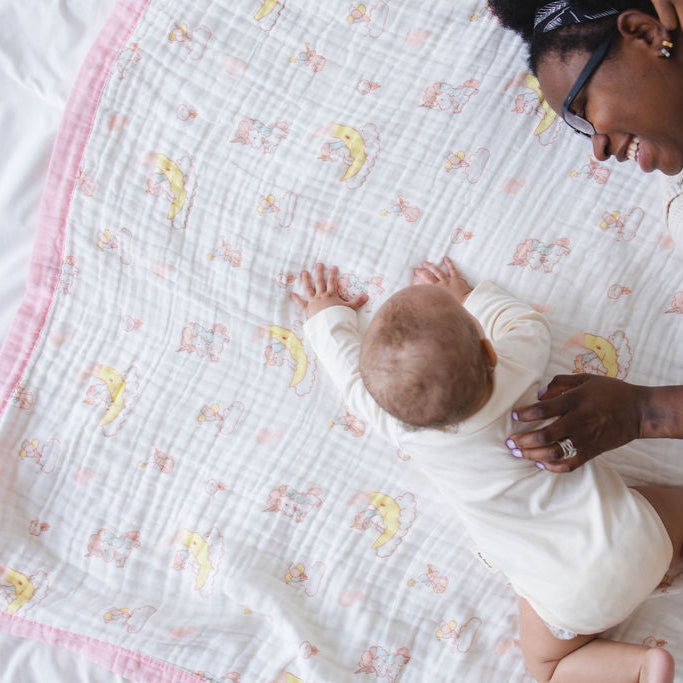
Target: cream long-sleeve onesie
581	547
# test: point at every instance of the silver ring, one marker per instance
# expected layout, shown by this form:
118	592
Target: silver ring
568	449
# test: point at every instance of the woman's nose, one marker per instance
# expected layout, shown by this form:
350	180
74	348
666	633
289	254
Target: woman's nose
601	146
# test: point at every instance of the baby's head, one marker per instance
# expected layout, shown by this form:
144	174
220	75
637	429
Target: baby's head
425	360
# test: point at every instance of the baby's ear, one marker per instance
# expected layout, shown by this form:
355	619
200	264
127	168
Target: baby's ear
489	353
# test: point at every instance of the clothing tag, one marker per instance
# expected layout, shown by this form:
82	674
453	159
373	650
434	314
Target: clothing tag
484	560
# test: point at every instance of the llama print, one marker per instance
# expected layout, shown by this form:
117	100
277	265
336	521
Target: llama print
610	356
529	101
175	182
226	420
117	392
625	226
18	592
593	170
469	167
45	457
384	665
227	252
403	208
309	57
119	243
306	580
201	555
432	579
373	19
286	349
292	503
205	342
460	637
68	274
158	459
128	57
131	620
355	149
350	423
389	517
110	547
443	96
257	135
534	254
279	210
22	398
192	42
268	13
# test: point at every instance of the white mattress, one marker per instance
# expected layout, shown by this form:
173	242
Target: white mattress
42	46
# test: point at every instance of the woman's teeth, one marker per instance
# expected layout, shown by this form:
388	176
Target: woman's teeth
632	150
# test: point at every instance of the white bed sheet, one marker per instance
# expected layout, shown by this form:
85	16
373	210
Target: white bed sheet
42	45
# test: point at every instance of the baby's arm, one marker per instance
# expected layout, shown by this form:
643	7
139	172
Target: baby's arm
332	331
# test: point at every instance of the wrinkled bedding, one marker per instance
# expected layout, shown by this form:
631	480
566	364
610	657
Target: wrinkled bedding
185	496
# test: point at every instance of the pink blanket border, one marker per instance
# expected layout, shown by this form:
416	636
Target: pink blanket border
43	280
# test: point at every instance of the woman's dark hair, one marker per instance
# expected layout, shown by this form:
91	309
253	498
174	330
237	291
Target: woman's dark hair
518	15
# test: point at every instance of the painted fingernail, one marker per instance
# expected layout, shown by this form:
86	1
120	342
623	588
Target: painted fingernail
514	415
541	392
540	465
510	443
516	452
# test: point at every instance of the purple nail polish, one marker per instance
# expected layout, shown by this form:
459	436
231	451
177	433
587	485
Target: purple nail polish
541	392
515	416
516	452
510	444
540	465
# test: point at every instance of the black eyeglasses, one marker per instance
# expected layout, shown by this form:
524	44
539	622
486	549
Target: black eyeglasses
578	123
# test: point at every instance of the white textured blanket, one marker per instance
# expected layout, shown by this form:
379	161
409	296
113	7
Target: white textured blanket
183	493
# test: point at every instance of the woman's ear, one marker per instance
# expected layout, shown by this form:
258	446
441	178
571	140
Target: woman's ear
636	25
489	353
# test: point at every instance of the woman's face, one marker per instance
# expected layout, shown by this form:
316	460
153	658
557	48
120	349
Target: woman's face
634	100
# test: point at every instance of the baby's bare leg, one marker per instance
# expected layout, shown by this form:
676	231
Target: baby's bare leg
588	658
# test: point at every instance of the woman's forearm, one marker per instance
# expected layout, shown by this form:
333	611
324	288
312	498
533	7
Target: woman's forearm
661	410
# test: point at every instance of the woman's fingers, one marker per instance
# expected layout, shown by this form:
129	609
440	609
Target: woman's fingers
562	383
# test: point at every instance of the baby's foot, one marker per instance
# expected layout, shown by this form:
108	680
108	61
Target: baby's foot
658	667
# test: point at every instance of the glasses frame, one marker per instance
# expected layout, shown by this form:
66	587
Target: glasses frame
572	119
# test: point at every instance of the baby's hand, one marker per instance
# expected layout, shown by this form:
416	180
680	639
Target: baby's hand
452	279
322	294
669	11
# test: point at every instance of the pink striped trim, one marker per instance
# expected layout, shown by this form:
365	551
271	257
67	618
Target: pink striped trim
123	662
67	153
43	280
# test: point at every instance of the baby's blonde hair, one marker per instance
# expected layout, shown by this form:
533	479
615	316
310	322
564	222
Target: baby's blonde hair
422	366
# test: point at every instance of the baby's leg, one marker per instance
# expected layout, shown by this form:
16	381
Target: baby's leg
588	658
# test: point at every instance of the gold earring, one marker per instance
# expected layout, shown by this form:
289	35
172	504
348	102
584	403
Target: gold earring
664	50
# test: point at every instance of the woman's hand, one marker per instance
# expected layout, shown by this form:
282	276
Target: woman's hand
597	413
670	12
323	293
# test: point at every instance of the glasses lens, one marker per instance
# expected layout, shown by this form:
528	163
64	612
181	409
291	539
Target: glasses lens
580	125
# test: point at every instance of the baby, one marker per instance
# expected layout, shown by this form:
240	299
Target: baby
437	373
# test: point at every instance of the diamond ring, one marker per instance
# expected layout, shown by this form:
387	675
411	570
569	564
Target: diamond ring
568	449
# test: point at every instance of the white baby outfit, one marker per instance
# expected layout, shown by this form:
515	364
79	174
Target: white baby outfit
581	547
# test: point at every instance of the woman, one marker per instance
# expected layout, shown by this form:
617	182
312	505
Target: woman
614	71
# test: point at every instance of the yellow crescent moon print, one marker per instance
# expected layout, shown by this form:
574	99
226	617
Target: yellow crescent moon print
267	6
605	352
390	512
176	180
117	388
296	350
23	588
354	142
549	116
200	551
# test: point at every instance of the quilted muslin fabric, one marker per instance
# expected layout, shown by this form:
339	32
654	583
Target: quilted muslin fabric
184	494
